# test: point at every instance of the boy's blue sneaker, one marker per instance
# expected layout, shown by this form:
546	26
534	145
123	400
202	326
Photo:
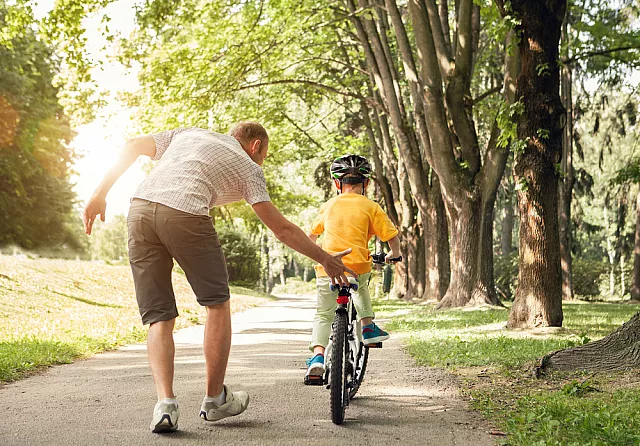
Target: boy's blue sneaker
316	365
372	334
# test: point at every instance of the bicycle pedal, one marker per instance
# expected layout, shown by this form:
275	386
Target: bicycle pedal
310	380
376	345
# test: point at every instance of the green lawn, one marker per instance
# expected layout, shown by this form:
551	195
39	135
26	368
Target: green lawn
495	366
54	311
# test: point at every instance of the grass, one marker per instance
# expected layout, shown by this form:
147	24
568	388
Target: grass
495	368
55	311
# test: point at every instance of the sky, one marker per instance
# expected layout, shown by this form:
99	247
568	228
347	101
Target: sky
100	141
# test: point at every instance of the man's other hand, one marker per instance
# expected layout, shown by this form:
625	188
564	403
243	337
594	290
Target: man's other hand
96	206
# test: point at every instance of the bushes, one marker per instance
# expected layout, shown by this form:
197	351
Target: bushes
242	256
590	277
505	273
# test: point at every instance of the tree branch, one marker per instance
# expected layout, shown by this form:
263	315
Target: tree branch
319	85
442	50
589	54
464	45
443	12
303	131
486	94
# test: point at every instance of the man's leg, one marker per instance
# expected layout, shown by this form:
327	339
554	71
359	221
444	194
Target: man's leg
161	352
217	345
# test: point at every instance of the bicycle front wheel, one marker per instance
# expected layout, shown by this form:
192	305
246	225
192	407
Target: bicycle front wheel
338	384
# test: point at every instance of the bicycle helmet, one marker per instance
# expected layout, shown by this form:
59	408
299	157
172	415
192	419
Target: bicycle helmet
351	169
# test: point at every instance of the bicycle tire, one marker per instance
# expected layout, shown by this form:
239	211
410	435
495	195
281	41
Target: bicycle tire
359	374
337	376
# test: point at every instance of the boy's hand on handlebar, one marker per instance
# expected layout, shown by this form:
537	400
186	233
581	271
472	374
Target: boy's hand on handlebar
392	258
335	269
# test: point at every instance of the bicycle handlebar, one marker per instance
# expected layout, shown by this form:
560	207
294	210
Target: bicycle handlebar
379	258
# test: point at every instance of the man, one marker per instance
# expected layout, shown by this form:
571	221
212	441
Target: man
169	219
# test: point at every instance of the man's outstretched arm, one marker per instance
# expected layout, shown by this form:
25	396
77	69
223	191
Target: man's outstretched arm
97	205
295	238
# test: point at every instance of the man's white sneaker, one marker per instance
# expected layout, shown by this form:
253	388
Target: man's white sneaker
235	404
165	417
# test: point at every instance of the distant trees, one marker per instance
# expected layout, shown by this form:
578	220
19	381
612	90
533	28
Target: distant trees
36	197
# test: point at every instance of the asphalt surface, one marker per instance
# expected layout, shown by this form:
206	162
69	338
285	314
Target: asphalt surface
108	399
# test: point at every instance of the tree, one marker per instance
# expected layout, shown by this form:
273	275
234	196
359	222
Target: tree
36	196
538	301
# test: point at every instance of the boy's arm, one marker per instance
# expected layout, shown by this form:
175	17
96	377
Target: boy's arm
313	237
394	244
97	205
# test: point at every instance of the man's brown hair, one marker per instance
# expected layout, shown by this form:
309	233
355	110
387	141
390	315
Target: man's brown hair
247	131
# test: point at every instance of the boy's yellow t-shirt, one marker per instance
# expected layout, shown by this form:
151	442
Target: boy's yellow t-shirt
349	221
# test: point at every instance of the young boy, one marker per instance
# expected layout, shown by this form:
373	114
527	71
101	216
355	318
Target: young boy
349	221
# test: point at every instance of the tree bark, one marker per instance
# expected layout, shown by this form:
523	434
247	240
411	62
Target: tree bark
464	226
538	301
618	351
436	237
508	219
635	286
566	187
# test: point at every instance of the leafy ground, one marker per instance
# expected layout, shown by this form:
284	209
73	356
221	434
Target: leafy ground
54	311
495	367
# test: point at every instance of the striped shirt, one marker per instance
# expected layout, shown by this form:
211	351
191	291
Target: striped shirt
198	169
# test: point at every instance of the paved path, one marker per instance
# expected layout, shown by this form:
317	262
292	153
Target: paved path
108	399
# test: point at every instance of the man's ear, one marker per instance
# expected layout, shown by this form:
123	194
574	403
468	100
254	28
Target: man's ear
255	146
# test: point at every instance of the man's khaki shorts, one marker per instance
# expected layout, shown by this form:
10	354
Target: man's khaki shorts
157	235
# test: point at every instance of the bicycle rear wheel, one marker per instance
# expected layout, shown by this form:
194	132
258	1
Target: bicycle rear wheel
338	384
361	366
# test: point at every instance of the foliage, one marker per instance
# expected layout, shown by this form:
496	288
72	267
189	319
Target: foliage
241	255
505	273
588	276
35	193
109	241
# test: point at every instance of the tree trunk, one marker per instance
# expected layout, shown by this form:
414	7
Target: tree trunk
538	301
415	263
611	253
436	238
465	288
623	283
401	276
487	283
566	188
635	286
508	218
618	351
